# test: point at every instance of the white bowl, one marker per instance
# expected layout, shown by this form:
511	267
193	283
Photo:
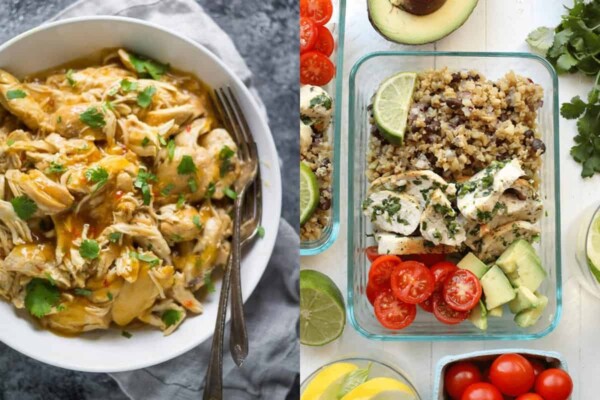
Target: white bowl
107	351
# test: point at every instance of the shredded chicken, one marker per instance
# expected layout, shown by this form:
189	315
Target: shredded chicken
112	182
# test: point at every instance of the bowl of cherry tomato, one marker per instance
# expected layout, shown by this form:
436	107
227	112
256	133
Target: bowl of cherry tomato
503	374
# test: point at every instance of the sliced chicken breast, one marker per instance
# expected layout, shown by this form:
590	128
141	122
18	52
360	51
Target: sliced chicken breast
494	243
415	183
393	212
440	223
389	243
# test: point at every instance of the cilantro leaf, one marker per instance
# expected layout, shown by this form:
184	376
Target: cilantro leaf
192	185
15	94
83	292
128	86
208	283
210	190
55	168
24	207
541	39
89	249
144	98
167	189
261	232
574	109
97	175
225	156
70	79
186	166
142	182
147	258
114	237
126	334
41	295
146	67
171	149
92	118
180	201
196	221
229	192
171	317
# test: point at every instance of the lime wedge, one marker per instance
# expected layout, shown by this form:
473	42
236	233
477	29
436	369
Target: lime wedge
391	105
593	247
309	193
322	311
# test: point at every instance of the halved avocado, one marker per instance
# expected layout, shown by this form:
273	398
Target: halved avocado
391	20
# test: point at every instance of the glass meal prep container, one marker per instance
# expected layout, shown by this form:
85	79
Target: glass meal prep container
365	77
589	276
334	88
378	370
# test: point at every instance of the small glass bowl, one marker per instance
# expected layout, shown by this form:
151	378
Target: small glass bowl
365	77
378	370
586	277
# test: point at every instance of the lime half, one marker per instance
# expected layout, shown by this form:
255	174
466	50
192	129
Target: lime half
392	104
322	311
593	247
309	193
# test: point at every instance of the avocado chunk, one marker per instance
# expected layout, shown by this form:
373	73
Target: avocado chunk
497	288
392	21
509	259
525	299
531	316
478	316
471	263
529	272
497	312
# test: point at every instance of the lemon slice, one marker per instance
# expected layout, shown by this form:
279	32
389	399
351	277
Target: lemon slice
593	247
326	385
392	104
309	193
381	389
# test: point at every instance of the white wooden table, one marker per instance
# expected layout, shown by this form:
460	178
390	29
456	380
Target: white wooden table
495	25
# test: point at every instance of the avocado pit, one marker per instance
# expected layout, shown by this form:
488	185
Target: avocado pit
418	7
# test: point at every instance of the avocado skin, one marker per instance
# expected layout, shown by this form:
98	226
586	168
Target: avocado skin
414	41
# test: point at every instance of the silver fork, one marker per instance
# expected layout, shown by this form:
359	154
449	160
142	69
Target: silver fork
243	233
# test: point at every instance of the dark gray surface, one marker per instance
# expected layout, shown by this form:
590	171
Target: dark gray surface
265	32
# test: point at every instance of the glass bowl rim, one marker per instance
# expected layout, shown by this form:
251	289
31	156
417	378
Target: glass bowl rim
350	201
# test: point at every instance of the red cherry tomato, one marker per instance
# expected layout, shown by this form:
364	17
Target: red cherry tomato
315	69
459	377
372	253
538	366
462	290
427	305
412	282
373	291
554	384
530	396
427	259
446	314
382	268
512	374
309	33
441	271
319	11
392	313
325	42
481	391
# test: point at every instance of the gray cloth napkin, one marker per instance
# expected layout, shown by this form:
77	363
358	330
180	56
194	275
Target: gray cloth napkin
271	369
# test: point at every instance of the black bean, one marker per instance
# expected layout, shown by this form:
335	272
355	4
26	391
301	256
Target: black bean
433	127
370	107
529	134
456	77
454	104
325	163
324	202
538	146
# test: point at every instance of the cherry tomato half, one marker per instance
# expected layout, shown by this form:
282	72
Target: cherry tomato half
315	69
309	33
382	268
427	304
373	291
441	271
462	290
319	11
459	377
412	282
481	391
325	42
554	384
392	313
427	259
530	396
512	374
446	314
372	253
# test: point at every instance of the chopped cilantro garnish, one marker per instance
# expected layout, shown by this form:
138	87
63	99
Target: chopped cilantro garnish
15	94
10	142
208	283
171	317
70	78
89	249
55	168
225	156
321	100
196	221
167	189
230	193
161	140
261	232
146	67
92	118
24	207
41	295
109	295
144	98
193	185
180	201
109	105
97	175
210	190
126	334
171	149
186	166
128	86
142	182
145	141
83	292
114	237
147	258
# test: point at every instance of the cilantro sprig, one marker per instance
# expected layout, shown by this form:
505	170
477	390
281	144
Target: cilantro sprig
15	94
573	46
24	207
144	98
89	249
171	317
147	68
92	118
142	182
97	175
40	296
